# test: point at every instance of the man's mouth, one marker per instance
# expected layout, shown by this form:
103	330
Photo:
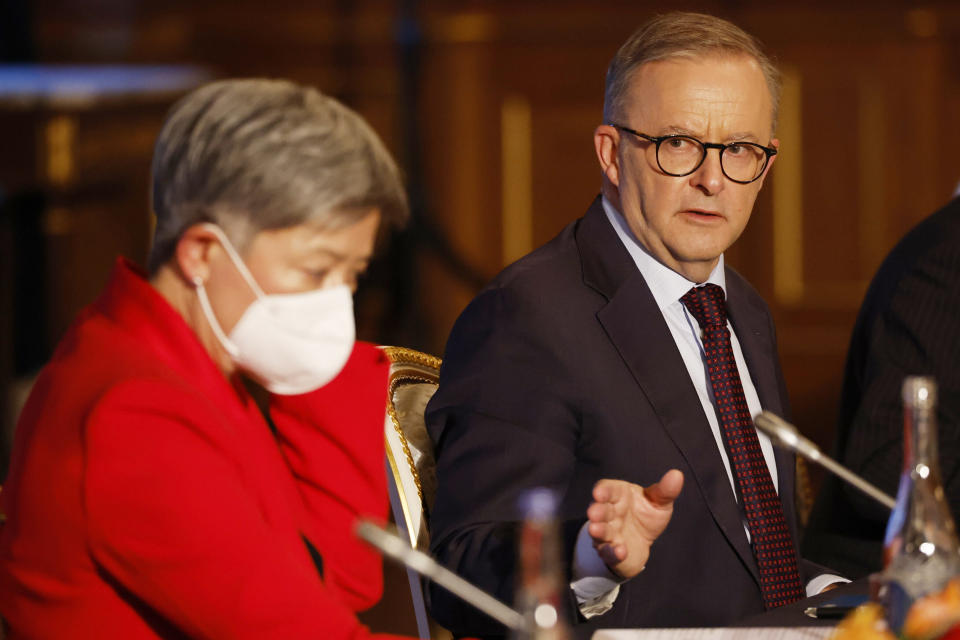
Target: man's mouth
705	214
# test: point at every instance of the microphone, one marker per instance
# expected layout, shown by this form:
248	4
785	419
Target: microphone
786	435
393	546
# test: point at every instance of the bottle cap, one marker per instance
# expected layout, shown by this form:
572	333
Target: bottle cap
538	504
920	391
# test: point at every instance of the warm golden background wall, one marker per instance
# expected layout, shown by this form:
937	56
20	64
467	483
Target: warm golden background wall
489	107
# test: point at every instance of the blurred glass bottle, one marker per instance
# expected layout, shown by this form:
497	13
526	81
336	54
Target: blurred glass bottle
920	552
540	579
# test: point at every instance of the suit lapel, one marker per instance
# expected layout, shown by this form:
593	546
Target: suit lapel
755	341
635	326
760	353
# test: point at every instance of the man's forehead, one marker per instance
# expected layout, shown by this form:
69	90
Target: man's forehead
696	92
710	72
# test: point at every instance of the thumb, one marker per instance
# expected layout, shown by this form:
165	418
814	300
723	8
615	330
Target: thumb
663	493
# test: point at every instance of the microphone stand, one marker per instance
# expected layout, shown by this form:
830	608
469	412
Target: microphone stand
395	547
786	435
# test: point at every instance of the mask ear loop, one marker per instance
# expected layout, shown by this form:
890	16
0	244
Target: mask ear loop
212	319
235	258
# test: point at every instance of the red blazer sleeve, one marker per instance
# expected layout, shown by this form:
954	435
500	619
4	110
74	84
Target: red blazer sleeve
333	440
169	520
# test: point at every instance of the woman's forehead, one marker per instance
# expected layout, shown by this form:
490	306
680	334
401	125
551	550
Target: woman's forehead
350	241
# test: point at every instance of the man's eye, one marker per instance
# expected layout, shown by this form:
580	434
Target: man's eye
737	149
681	145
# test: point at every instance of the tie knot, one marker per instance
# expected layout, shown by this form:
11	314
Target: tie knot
706	305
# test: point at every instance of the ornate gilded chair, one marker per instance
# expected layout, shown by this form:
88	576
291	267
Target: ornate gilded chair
412	478
804	493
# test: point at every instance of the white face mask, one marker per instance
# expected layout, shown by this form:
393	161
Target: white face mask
292	342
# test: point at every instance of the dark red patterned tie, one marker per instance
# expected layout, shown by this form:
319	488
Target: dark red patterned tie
772	543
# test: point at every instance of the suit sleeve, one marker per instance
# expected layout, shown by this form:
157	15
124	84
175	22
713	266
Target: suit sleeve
173	527
502	422
914	333
333	441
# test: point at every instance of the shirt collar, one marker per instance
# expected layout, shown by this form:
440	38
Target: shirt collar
666	285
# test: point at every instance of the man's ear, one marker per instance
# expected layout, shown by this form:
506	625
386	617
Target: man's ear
192	255
606	140
775	143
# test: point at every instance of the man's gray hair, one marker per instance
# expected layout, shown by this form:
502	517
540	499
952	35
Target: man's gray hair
682	35
251	155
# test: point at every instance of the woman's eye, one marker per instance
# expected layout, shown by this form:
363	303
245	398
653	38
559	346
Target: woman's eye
319	274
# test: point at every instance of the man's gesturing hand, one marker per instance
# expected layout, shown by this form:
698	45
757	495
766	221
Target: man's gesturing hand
626	518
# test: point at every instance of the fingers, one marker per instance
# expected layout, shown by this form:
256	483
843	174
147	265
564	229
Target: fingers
662	493
603	522
615	500
612	554
601	512
666	491
608	490
599	532
626	518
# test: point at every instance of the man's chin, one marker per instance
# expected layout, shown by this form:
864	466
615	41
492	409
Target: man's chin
706	248
700	255
695	265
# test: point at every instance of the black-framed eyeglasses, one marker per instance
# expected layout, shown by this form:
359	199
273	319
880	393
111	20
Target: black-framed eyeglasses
680	155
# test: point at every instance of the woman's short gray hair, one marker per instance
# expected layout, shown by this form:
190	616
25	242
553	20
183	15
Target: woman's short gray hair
251	155
682	35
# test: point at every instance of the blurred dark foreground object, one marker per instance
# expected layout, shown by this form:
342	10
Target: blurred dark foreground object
909	324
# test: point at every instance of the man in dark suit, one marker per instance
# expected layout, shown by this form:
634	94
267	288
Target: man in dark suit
582	367
909	324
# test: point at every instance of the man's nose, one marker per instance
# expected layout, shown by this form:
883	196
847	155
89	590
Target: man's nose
709	175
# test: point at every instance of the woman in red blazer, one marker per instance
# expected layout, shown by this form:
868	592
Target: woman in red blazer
148	496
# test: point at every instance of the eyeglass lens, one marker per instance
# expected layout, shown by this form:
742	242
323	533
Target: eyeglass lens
680	155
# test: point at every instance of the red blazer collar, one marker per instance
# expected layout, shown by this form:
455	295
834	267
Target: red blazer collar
131	303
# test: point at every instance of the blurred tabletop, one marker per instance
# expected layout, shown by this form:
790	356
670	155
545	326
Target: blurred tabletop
785	623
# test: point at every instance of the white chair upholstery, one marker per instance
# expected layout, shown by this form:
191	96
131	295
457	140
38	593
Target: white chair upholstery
411	471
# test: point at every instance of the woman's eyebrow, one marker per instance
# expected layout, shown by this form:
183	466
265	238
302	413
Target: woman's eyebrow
343	257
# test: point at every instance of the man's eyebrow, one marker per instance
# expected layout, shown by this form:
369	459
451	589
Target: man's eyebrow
740	136
674	129
744	136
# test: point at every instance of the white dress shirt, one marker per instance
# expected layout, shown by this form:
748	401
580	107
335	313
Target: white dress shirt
595	586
